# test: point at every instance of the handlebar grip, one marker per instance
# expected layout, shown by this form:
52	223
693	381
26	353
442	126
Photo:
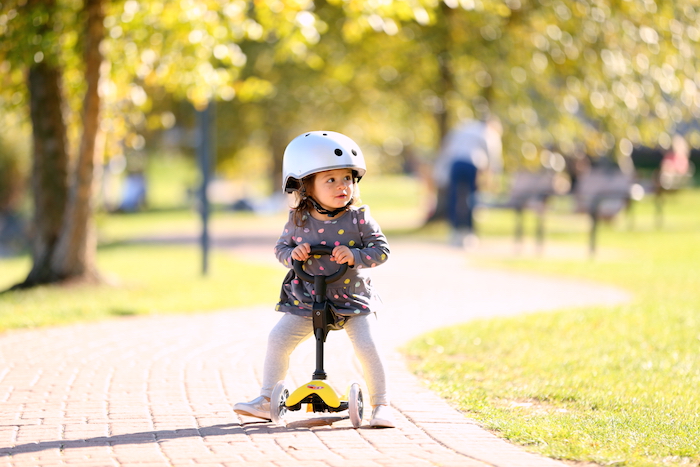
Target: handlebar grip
319	250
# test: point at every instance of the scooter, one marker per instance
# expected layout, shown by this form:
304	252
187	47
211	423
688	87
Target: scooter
317	394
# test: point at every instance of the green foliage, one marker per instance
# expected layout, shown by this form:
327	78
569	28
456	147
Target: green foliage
170	178
594	77
584	76
141	280
153	278
11	178
598	74
14	167
591	73
35	32
612	385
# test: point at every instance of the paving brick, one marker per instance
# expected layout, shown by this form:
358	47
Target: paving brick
158	390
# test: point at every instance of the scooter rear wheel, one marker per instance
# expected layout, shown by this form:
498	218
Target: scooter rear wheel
278	409
355	405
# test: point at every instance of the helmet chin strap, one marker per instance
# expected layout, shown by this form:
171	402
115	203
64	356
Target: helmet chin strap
328	212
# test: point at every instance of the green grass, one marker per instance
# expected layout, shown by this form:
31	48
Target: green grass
160	278
613	385
140	280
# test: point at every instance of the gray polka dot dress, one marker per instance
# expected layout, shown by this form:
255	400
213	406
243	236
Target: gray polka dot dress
352	294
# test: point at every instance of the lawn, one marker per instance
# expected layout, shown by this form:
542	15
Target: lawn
146	277
610	385
140	279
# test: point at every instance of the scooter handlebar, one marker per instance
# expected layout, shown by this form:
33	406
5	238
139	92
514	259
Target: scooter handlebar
319	250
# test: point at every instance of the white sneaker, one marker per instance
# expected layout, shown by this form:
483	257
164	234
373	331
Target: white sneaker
470	241
457	238
258	407
382	417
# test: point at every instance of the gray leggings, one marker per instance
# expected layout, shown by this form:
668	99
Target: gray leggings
291	330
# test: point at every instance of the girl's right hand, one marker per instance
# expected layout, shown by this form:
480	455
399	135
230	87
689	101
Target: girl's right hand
301	252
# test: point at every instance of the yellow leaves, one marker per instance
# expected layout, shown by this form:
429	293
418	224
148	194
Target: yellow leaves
315	62
235	10
421	15
137	95
352	31
254	89
344	72
253	30
199	96
502	10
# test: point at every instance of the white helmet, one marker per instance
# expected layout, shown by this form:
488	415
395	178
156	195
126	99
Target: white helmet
317	151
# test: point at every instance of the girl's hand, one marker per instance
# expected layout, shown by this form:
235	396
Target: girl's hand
342	254
301	252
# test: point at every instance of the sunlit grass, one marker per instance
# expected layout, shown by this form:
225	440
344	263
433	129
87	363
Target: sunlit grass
613	385
396	201
144	278
140	280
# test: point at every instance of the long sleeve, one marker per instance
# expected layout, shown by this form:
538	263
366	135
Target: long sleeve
375	248
353	292
286	243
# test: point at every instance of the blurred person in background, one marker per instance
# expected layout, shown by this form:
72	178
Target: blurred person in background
675	168
470	155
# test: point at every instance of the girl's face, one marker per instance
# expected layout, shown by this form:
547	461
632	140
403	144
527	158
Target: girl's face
333	189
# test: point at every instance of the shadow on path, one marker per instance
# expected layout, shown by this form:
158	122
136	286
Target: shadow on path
146	437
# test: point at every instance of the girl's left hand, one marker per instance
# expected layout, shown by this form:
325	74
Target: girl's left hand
342	254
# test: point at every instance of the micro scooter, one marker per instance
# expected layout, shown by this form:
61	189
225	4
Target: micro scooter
317	394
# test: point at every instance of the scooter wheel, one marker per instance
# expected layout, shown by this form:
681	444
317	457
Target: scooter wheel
355	405
278	409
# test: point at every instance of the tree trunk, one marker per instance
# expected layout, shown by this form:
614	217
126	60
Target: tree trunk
74	256
50	168
278	142
50	151
445	85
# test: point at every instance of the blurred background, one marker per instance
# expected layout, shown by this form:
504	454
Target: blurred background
135	132
105	105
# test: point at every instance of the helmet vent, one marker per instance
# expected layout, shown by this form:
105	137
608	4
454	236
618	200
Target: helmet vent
338	152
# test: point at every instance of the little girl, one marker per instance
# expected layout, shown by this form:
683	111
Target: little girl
322	168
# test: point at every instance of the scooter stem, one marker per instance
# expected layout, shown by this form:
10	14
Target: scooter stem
319	373
320	309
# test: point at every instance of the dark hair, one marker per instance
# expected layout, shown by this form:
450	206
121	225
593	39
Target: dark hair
304	205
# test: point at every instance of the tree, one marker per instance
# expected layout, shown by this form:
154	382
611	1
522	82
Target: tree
63	246
599	77
74	255
49	172
187	48
603	75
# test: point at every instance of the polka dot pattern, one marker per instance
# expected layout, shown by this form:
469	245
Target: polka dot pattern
352	294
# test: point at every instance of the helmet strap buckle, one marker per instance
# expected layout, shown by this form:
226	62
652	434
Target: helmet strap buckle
330	213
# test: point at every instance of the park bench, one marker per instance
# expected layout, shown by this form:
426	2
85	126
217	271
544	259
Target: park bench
530	190
658	180
665	182
602	193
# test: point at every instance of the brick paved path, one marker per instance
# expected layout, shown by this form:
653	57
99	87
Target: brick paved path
157	391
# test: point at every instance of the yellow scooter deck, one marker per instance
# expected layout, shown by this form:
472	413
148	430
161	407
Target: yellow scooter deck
319	387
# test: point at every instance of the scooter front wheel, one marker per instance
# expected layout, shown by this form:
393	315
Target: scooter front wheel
278	409
355	405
